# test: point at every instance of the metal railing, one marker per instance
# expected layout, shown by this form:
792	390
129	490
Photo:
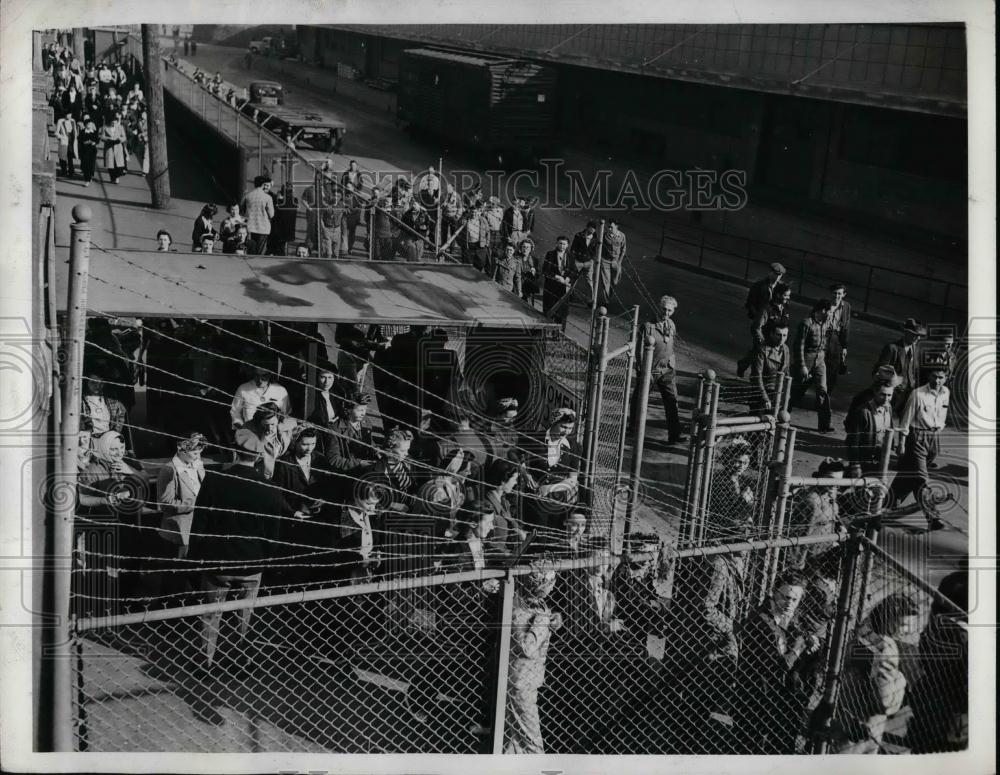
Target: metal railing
883	291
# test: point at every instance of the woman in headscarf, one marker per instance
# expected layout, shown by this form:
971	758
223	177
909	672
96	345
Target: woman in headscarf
394	466
68	150
87	144
113	137
107	483
268	434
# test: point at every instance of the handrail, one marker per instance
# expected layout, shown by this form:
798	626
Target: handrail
866	283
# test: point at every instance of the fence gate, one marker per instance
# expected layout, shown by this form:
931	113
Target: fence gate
607	420
731	469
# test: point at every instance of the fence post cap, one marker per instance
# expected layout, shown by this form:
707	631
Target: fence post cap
709	374
602	311
82	213
784	416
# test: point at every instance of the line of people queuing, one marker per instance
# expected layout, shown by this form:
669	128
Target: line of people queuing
97	108
909	391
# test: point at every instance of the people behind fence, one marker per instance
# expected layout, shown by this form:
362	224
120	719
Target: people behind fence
177	488
532	626
767	711
874	685
815	511
939	695
234	534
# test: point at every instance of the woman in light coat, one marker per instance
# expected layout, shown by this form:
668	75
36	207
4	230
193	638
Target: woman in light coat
113	137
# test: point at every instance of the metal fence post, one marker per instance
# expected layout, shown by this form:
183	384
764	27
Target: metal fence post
708	455
823	715
595	400
694	447
874	522
642	411
504	633
627	398
868	288
65	504
260	150
784	494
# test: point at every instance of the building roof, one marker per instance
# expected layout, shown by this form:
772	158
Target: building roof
920	67
141	283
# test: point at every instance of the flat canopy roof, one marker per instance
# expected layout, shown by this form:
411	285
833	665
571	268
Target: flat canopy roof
141	283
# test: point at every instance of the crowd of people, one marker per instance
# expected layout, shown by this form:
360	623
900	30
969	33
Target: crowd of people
97	107
909	391
295	498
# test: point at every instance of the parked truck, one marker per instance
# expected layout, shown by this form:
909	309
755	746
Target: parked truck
307	130
504	108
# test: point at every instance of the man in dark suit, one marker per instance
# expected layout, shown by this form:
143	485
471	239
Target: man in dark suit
351	450
557	274
234	532
759	295
902	356
840	331
583	252
664	333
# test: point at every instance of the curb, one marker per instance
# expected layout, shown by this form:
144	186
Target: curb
868	317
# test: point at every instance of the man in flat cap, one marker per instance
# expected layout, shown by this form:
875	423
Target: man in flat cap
759	295
902	356
868	420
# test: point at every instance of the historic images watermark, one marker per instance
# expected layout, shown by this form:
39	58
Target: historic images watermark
555	185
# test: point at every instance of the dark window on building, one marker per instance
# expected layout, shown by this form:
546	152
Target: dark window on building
914	143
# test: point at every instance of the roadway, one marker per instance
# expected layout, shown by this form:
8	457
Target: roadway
711	322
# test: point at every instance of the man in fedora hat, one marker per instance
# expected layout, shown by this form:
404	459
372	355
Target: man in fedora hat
902	356
923	418
759	295
869	419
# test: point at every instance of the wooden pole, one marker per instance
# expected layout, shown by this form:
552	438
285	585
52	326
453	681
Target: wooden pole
78	51
159	171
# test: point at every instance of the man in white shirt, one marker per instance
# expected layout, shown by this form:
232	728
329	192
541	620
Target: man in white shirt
922	421
259	390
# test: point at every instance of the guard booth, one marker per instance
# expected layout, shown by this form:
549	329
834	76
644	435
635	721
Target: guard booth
496	345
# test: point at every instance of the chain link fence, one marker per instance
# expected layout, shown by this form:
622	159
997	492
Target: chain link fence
611	424
399	670
905	676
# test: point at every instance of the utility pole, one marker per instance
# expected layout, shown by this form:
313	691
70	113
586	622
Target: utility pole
159	172
78	50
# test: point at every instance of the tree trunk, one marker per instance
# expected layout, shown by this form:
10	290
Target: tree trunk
159	173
